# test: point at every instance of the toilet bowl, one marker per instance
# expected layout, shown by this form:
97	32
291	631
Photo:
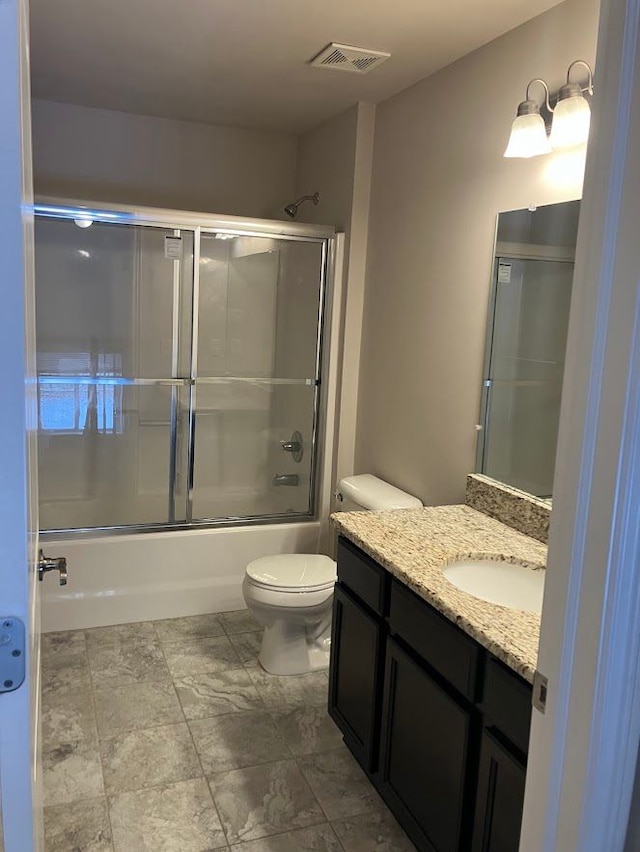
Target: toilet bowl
291	594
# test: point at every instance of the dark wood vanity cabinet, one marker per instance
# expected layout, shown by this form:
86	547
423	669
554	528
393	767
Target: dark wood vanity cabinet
439	725
355	677
500	795
358	634
423	752
506	707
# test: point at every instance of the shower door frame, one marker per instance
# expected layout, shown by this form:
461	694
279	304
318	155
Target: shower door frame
177	220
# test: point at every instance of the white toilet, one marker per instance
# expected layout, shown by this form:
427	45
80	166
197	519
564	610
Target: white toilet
292	594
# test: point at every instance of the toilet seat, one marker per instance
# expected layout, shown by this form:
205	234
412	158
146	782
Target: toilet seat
292	573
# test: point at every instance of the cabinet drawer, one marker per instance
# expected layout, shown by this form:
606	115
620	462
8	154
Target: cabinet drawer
452	653
506	703
364	577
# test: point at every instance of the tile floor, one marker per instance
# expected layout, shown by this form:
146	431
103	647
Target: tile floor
166	736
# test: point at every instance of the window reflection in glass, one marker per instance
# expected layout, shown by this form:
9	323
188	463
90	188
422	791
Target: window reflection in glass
75	395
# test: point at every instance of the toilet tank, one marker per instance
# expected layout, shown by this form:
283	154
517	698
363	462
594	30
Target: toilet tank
366	491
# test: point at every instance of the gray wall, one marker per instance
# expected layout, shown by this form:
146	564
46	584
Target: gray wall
439	179
335	159
325	164
103	155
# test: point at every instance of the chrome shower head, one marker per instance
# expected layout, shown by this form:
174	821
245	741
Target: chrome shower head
292	209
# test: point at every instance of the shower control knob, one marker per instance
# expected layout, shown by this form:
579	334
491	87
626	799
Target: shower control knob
294	446
290	446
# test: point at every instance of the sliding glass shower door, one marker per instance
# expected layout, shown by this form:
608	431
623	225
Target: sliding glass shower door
256	373
178	373
111	348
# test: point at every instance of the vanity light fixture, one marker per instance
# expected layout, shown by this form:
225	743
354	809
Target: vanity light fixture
572	114
528	132
570	122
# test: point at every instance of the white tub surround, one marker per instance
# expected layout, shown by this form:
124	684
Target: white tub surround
142	577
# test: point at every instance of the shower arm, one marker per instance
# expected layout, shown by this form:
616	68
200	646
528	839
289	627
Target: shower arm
292	209
315	198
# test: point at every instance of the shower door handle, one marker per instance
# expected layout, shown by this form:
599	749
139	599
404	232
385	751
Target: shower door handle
58	563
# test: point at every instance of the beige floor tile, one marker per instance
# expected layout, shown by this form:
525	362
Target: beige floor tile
139	705
177	817
238	621
237	740
297	690
67	715
339	784
217	693
115	664
319	838
58	681
147	758
248	646
71	771
378	832
140	631
64	649
195	656
191	627
264	800
307	730
78	827
63	658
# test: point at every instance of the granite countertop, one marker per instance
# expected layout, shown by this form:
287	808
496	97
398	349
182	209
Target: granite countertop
416	544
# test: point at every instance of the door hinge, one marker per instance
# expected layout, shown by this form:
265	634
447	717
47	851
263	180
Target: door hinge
12	653
540	687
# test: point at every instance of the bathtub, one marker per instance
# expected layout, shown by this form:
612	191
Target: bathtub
147	576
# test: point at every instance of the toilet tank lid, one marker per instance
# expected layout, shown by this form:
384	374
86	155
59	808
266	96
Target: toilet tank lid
374	494
301	571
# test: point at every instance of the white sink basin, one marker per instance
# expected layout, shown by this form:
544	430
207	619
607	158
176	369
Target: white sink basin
515	586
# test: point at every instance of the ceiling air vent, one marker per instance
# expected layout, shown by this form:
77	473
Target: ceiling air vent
344	57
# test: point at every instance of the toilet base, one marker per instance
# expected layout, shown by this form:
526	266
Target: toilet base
294	649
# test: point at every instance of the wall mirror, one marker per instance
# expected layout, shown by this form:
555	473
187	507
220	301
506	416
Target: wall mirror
526	342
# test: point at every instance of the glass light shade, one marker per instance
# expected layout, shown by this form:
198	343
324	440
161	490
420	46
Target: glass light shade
571	119
528	137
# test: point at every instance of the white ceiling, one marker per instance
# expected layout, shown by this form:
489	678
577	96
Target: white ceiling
244	62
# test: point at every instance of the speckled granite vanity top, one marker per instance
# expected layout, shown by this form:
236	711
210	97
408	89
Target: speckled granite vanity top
416	544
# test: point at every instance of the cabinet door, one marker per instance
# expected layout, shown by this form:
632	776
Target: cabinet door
356	662
500	798
423	763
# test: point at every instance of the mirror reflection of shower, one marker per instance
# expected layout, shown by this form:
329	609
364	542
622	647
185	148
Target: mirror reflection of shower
292	209
526	343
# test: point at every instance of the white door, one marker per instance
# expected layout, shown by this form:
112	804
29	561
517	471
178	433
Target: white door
19	604
583	750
